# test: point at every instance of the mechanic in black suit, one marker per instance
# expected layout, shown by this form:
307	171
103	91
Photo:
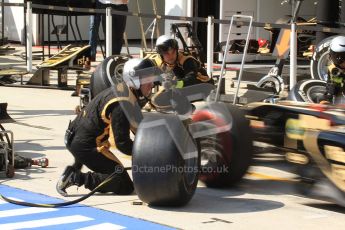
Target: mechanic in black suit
117	110
185	77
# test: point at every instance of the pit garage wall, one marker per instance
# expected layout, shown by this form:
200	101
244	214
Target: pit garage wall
262	11
14	22
14	19
177	8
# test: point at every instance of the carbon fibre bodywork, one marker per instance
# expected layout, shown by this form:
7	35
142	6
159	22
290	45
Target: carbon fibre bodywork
269	121
312	136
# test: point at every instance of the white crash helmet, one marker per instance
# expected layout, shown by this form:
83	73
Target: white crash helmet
129	75
137	68
337	50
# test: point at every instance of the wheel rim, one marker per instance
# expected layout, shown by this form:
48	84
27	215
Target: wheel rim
117	77
191	166
212	158
269	84
213	147
322	66
273	82
209	157
315	92
191	170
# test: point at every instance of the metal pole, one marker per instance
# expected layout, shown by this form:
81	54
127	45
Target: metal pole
243	56
189	14
3	22
222	71
210	37
41	31
25	35
293	55
151	27
48	16
154	4
126	43
227	47
141	27
293	43
108	32
29	37
153	31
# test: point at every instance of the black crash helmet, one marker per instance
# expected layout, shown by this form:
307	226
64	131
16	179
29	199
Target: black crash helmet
164	43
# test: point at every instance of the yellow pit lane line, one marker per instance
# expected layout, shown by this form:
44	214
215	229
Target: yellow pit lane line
274	178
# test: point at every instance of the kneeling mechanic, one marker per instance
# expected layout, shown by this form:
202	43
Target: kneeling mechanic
116	109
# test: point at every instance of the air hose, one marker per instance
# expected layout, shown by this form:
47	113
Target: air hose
56	205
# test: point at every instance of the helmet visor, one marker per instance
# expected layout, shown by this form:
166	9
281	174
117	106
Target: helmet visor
337	58
166	46
163	49
148	75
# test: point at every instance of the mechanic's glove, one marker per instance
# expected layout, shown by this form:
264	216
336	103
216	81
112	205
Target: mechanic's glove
330	88
179	84
168	81
169	84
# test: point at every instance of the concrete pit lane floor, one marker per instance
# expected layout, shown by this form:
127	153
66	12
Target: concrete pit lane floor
265	199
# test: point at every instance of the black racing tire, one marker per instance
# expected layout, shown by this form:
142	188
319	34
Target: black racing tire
107	73
161	176
320	60
309	90
226	155
275	83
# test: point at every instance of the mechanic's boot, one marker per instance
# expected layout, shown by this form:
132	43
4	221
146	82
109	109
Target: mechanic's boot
21	162
70	177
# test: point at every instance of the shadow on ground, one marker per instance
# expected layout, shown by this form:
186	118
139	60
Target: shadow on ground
220	203
40	113
32	147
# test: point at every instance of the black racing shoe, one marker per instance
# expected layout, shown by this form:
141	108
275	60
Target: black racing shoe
67	179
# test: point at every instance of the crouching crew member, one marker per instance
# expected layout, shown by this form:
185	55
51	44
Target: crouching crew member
335	87
185	77
187	69
117	110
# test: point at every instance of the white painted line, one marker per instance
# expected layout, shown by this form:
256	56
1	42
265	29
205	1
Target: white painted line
24	211
44	222
107	226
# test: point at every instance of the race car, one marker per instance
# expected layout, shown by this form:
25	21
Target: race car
312	136
214	143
